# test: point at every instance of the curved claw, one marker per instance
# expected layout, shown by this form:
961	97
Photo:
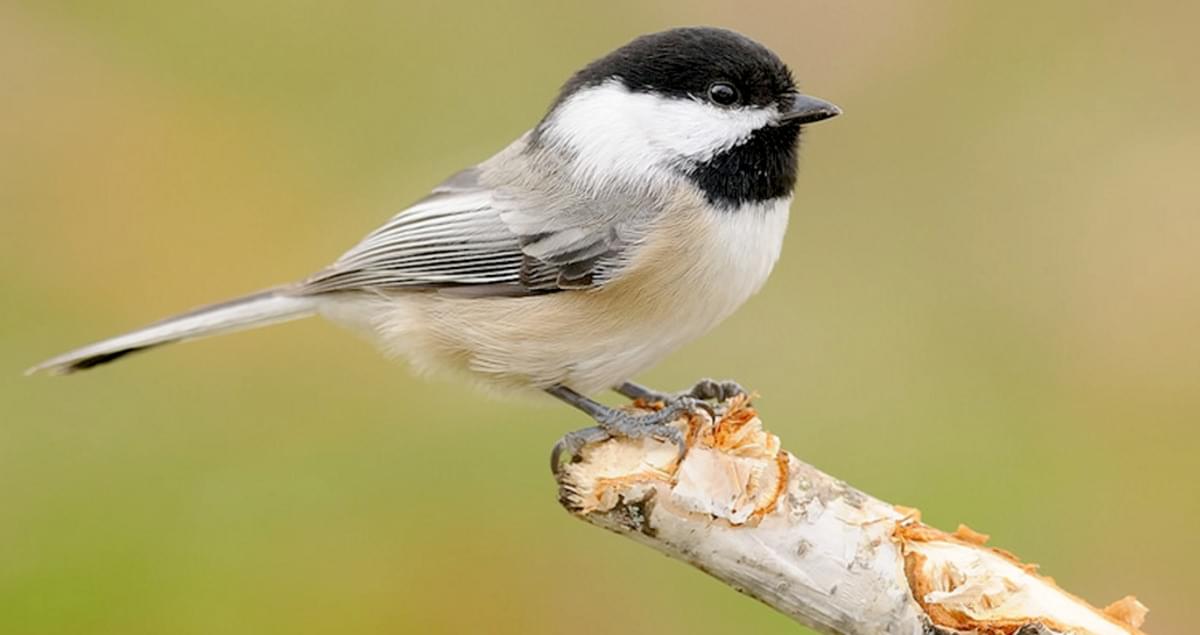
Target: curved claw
572	443
691	403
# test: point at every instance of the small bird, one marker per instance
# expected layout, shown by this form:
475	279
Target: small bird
647	205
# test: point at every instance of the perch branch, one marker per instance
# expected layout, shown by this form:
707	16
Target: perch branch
750	514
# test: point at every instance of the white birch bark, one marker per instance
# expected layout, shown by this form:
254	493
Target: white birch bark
741	509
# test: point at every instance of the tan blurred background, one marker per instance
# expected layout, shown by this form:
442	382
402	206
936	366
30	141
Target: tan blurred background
987	308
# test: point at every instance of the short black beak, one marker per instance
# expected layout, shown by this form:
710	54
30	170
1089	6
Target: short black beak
807	109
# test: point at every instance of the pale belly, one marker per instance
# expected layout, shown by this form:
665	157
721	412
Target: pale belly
680	288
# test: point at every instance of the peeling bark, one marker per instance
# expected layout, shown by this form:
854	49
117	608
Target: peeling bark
743	510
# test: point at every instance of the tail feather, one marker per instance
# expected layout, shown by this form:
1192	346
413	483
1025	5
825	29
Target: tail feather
259	309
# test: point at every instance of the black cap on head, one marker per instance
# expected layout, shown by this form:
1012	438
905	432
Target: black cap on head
685	62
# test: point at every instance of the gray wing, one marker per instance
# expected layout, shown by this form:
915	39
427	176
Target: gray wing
472	239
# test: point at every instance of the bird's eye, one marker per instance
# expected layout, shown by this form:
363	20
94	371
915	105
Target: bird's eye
723	94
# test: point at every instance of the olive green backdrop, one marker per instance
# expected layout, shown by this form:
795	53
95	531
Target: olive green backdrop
988	308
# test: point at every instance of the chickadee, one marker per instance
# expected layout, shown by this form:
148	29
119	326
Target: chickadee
646	206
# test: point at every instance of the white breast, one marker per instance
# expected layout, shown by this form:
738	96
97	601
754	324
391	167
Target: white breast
698	274
743	249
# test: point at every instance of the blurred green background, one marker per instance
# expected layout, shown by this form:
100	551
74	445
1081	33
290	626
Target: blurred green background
987	308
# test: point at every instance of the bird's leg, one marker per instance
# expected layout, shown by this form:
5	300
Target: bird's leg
638	392
705	389
618	423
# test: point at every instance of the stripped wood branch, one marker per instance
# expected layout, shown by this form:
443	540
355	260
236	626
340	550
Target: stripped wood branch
807	544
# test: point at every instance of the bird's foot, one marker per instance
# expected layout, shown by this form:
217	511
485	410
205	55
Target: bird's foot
615	423
718	391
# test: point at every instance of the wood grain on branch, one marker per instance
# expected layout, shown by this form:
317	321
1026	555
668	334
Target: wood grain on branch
743	510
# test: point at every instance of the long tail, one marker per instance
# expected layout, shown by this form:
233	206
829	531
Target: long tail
259	309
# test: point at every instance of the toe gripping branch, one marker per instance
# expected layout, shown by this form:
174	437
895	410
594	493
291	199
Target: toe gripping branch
704	439
652	414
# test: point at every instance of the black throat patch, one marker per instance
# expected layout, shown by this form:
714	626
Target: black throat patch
761	169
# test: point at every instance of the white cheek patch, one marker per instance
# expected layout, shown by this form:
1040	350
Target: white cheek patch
617	134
